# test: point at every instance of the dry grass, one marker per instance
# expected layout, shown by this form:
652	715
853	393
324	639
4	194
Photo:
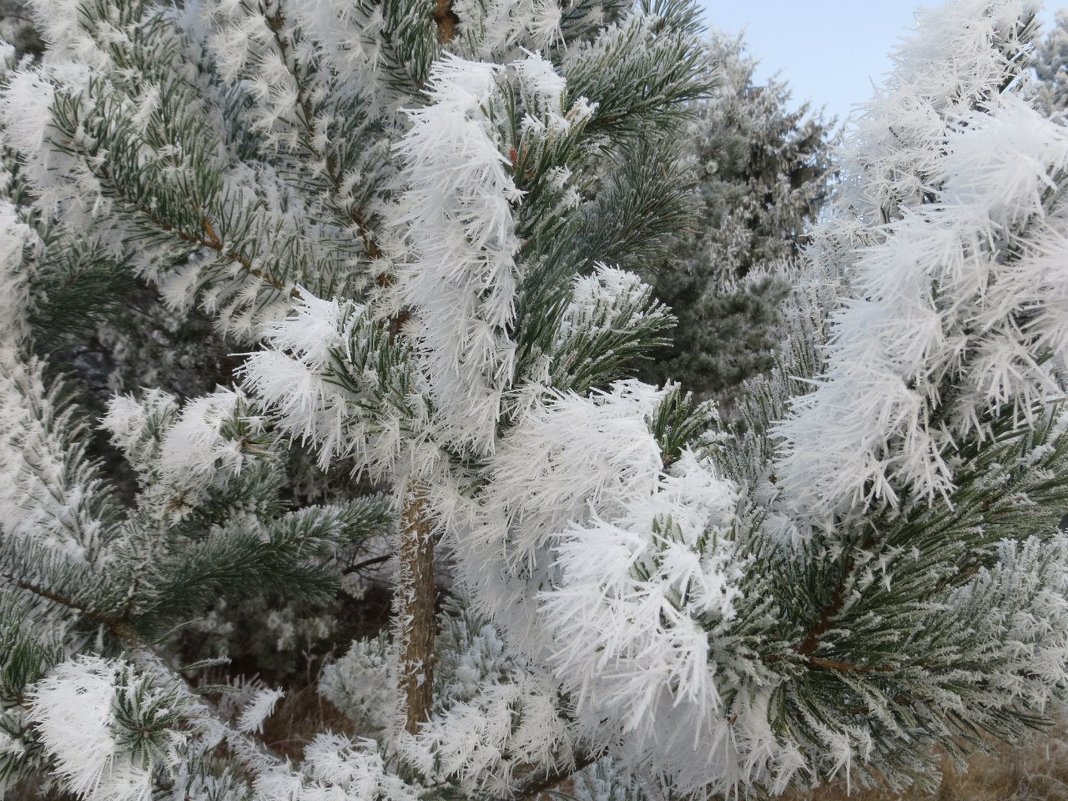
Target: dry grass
300	716
1035	770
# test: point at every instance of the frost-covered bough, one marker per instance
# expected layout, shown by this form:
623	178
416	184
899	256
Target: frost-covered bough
957	325
401	212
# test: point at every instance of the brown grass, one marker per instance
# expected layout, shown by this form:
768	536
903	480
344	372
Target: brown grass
1034	770
299	717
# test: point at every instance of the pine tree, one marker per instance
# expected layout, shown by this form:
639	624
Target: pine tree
1051	66
763	172
406	215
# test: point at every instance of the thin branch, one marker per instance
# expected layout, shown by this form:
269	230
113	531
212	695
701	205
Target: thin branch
120	628
546	778
210	240
366	563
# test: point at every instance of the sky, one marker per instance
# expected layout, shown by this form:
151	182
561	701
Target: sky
828	51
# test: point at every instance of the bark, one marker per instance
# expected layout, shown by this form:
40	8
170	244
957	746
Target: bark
446	20
416	595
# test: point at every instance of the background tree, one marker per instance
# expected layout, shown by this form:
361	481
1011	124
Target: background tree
762	170
1051	66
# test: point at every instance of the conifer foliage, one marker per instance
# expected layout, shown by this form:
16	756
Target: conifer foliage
763	171
404	216
1051	66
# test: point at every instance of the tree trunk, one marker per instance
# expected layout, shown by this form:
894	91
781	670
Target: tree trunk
416	595
446	20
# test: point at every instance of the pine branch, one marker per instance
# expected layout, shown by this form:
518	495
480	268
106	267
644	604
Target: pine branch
209	239
811	640
118	627
327	156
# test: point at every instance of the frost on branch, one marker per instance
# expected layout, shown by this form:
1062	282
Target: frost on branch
486	741
184	454
502	30
959	316
75	711
461	277
197	449
288	378
335	768
961	57
48	491
565	457
362	685
497	714
258	709
617	574
137	425
18	245
335	380
638	619
608	312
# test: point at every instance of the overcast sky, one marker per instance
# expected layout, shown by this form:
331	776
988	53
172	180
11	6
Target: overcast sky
829	51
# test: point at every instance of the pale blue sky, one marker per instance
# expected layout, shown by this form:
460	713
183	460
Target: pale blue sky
829	51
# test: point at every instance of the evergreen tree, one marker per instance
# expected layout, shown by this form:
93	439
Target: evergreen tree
762	172
402	212
1051	66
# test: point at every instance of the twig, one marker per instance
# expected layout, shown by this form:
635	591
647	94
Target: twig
366	563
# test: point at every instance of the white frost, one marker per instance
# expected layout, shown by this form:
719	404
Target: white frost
72	710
